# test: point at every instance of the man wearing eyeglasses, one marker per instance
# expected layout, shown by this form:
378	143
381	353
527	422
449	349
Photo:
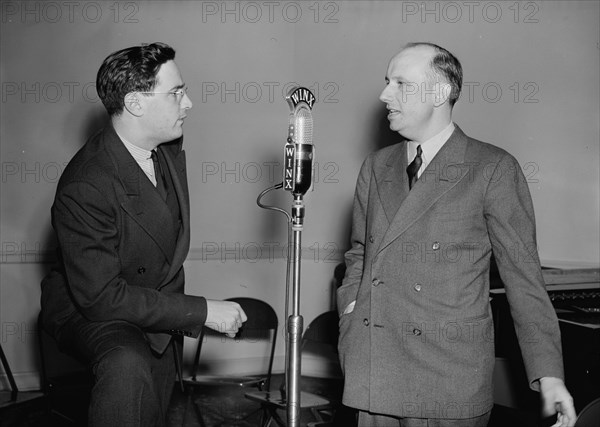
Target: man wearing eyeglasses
121	216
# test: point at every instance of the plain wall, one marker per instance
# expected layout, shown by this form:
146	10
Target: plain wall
531	72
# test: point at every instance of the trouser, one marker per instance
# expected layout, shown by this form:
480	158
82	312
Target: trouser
133	385
366	419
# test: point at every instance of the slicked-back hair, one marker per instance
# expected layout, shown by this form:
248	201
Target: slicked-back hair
445	67
129	70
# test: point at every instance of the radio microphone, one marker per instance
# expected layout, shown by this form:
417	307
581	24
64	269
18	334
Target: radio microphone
297	179
299	149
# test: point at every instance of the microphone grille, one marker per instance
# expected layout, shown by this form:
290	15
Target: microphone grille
304	126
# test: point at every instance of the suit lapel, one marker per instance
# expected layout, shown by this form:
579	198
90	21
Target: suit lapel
443	173
141	201
177	168
392	181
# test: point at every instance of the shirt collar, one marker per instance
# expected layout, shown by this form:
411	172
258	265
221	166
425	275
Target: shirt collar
430	146
138	153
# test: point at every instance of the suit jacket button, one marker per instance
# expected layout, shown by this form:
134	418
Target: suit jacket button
141	270
417	287
416	331
435	246
376	282
371	239
366	322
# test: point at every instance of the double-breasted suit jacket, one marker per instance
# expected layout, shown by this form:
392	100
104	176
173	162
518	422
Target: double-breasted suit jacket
419	342
121	249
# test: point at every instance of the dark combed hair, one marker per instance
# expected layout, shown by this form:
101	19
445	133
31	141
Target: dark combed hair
128	70
446	66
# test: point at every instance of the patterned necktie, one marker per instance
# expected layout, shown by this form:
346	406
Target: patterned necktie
159	176
413	169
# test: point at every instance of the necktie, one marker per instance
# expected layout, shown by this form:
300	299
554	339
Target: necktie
158	175
413	169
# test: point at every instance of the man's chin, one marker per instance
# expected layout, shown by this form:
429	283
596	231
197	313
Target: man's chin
178	132
395	127
174	136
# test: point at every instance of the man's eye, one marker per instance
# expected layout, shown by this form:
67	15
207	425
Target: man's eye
178	94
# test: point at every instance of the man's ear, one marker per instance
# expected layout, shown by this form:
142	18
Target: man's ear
442	93
133	105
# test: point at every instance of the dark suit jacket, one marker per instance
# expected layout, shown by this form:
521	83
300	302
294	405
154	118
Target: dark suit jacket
420	341
120	253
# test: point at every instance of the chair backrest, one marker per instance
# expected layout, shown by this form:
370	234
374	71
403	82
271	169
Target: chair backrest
261	315
590	415
323	329
262	323
319	346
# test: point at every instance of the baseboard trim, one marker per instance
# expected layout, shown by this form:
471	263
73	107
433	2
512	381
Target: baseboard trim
26	381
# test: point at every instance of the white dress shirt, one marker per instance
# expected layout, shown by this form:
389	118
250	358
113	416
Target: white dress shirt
430	147
142	157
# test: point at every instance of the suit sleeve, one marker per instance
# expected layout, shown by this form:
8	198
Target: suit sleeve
354	257
88	234
511	227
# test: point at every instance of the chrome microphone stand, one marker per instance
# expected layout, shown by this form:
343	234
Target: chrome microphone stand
295	321
298	172
297	180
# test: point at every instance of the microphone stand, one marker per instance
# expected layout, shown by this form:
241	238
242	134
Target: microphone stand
295	320
290	390
298	156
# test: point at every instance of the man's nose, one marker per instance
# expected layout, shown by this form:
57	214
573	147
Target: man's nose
186	102
384	96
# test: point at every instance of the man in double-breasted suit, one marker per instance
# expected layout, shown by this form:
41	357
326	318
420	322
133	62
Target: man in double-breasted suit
416	333
122	220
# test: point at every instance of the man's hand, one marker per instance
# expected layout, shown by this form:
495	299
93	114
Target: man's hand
225	317
556	399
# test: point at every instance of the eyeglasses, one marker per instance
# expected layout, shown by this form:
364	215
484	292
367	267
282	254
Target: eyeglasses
178	94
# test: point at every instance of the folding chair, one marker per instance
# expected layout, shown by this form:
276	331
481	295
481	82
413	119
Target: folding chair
262	323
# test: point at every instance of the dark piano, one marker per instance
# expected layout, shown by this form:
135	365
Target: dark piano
575	296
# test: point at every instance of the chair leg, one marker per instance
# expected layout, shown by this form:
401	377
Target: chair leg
178	365
197	355
13	385
317	414
270	414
